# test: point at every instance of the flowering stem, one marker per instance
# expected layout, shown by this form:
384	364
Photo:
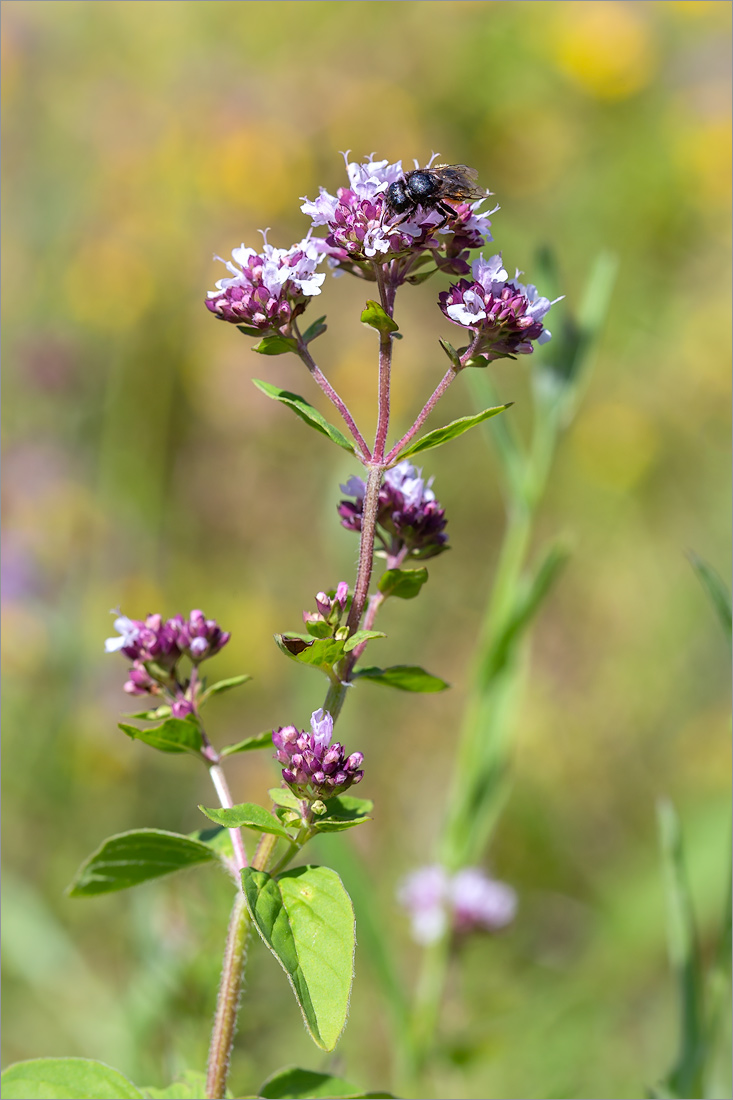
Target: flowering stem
387	295
430	404
227	1005
330	393
225	800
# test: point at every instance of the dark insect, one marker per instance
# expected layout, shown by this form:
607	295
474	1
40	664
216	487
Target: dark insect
434	189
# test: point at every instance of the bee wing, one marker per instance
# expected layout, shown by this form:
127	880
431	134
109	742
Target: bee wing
459	181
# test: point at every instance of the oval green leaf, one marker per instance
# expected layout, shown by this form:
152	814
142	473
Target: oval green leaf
306	919
130	858
275	345
404	677
450	431
306	412
361	636
66	1079
248	814
294	1083
190	1086
225	685
404	583
175	735
376	317
321	653
343	812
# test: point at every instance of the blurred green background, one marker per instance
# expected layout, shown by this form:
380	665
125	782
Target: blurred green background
143	470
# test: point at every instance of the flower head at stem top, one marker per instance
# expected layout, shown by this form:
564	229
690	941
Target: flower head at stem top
468	901
410	521
268	289
315	769
361	231
503	315
156	647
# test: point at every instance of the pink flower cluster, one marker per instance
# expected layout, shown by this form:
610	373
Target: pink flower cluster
465	902
313	767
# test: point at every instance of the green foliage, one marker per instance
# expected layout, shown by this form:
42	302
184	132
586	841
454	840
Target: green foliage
66	1079
320	653
259	741
404	583
450	431
248	814
190	1086
224	685
276	345
174	735
451	352
306	412
306	919
314	330
360	636
294	1083
131	858
717	592
343	812
376	317
404	677
686	1079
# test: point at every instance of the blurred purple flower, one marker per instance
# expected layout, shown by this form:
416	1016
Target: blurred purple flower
467	901
313	767
410	521
423	893
269	288
504	315
480	902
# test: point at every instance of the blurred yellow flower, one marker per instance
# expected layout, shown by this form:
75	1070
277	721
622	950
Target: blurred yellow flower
604	46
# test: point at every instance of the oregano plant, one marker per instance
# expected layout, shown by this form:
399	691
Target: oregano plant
394	230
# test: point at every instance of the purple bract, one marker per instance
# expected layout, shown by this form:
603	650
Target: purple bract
409	518
313	767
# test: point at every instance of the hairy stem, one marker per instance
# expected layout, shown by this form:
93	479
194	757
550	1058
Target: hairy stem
225	799
331	394
430	404
227	1005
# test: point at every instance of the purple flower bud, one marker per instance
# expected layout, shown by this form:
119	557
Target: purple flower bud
504	315
323	604
342	594
181	708
140	682
315	769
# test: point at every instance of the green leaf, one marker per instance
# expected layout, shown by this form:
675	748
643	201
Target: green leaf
404	677
306	919
283	796
248	814
404	583
360	636
218	839
66	1079
225	685
343	812
259	741
250	330
716	590
175	735
190	1086
685	1079
315	330
152	715
128	859
452	354
275	345
306	412
321	653
450	431
294	1083
319	630
375	316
